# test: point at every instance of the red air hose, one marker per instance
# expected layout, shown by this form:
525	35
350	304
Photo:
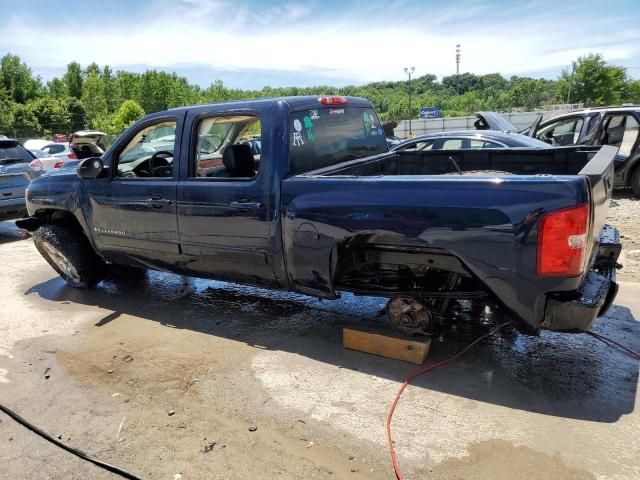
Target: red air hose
394	459
422	371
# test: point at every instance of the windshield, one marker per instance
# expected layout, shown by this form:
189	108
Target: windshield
328	136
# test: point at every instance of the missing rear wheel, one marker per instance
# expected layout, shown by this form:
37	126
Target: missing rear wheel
409	316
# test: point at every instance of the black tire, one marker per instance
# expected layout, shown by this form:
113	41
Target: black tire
70	254
634	183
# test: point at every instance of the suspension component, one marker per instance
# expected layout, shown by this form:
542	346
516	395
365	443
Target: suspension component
409	316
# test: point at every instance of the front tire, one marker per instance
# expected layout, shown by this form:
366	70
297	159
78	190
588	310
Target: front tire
70	254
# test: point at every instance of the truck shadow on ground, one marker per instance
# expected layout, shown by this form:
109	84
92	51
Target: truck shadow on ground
565	375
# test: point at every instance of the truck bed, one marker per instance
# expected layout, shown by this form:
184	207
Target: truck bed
402	223
553	161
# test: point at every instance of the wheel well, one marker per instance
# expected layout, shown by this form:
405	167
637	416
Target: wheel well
365	266
62	218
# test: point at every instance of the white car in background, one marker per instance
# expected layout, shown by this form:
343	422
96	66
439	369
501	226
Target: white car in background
82	144
48	161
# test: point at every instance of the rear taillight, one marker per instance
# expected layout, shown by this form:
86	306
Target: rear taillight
72	156
58	164
332	100
37	165
562	242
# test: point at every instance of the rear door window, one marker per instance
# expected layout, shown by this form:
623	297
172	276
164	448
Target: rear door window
454	144
327	136
241	135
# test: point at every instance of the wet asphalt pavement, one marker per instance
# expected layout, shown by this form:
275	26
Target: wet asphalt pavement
553	406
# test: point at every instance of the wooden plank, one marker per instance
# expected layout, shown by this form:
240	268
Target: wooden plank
414	351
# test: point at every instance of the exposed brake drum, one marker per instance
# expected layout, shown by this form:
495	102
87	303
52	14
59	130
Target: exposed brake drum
409	316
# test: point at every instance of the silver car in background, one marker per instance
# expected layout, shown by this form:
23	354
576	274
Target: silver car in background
17	168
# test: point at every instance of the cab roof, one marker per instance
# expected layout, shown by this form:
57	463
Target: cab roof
294	102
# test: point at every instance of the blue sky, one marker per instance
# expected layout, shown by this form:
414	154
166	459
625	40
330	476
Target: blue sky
249	44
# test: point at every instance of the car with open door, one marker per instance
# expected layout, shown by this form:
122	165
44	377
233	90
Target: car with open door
616	126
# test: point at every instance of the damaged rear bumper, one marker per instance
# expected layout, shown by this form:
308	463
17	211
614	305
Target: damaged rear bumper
576	311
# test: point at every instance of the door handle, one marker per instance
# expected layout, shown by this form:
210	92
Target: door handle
156	201
245	204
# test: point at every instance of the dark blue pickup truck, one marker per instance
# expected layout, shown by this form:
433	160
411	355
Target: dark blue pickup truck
324	207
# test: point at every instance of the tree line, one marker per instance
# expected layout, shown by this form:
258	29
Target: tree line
98	98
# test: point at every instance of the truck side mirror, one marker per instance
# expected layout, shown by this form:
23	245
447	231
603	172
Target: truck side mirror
90	168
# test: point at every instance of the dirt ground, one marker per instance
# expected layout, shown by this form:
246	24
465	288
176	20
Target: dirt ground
164	376
624	213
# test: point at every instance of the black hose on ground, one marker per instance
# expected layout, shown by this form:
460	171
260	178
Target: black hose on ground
74	451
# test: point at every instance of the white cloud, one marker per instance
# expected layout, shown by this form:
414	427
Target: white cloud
365	42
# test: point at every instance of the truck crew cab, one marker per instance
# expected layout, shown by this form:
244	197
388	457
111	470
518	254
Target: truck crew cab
324	207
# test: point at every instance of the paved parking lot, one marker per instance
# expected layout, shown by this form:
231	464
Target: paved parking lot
105	368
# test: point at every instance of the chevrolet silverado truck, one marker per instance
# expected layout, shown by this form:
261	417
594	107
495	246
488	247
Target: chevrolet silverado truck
324	207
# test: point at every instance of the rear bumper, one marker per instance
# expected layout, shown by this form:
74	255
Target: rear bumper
576	311
12	208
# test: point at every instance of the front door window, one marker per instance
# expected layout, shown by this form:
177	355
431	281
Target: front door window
149	154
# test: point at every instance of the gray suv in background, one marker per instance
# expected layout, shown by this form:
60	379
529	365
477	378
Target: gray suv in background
18	167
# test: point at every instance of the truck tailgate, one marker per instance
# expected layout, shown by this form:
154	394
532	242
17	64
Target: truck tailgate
599	173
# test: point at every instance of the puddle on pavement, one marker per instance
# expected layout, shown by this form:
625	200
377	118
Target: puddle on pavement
563	370
501	460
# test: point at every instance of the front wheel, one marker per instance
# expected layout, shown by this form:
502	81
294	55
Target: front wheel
70	254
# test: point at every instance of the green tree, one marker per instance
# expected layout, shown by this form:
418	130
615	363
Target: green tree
593	82
111	89
57	88
129	112
73	79
6	113
52	115
17	80
93	97
632	93
154	91
77	114
25	122
465	82
93	67
526	93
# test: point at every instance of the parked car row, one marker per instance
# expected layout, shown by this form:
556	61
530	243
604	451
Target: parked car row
82	144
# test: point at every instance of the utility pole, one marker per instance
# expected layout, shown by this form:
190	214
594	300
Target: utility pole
457	59
409	71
